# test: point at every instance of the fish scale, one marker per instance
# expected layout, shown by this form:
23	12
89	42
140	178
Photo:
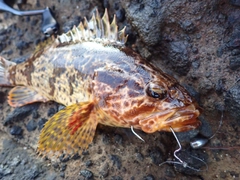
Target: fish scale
100	81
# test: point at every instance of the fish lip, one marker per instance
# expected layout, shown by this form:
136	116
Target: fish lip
187	116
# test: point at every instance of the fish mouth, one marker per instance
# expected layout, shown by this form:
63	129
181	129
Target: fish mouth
183	119
179	119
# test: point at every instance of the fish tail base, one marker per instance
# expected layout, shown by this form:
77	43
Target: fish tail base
4	64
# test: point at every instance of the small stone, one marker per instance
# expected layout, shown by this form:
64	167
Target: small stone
87	174
31	125
188	26
20	113
62	174
35	114
235	2
155	155
116	161
21	45
120	15
89	163
51	112
234	62
63	167
232	101
16	131
41	123
149	177
104	170
116	178
63	158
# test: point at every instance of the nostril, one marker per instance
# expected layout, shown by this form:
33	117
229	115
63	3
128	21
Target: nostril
151	122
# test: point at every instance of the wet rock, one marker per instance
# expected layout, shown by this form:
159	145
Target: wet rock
205	128
149	177
21	45
104	170
116	178
192	92
16	131
187	136
2	97
152	16
232	101
118	139
31	125
86	174
178	56
220	86
116	161
41	123
234	63
205	86
89	163
51	112
20	113
19	60
70	23
188	26
195	159
156	155
235	2
120	15
63	167
64	158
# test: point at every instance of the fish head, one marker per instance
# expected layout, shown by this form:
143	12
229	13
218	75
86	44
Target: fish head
167	104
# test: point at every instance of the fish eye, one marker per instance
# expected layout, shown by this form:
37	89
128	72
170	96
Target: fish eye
156	92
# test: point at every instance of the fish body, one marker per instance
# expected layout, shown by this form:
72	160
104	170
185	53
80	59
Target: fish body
100	81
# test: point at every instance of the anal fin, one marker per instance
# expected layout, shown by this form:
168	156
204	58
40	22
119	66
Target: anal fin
21	95
71	130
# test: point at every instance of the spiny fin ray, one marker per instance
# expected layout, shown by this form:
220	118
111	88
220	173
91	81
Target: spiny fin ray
97	29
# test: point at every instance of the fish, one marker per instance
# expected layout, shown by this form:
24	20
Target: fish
100	80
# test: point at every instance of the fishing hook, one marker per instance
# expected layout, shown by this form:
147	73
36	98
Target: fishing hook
136	134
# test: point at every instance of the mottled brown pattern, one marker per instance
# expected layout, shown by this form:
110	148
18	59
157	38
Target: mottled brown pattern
100	81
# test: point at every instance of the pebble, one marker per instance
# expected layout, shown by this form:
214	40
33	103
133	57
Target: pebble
16	131
88	163
104	170
116	178
41	123
235	2
149	177
31	125
232	101
116	161
87	174
156	155
178	56
188	26
234	63
20	113
51	112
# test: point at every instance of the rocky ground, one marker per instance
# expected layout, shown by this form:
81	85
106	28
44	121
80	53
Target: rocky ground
197	42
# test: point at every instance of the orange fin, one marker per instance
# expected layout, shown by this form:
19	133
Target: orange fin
21	95
71	130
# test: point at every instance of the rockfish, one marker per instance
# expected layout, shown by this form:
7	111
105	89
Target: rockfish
99	80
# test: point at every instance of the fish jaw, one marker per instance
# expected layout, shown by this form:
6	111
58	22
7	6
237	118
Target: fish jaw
183	119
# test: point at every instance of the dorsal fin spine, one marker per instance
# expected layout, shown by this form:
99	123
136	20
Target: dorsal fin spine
97	29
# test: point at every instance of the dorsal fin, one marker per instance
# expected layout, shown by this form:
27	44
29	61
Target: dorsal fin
97	29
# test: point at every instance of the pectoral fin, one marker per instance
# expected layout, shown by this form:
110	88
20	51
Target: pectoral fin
71	130
21	95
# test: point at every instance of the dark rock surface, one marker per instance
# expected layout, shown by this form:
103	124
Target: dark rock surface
197	42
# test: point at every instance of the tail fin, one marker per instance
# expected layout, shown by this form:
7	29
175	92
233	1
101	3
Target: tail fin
4	64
